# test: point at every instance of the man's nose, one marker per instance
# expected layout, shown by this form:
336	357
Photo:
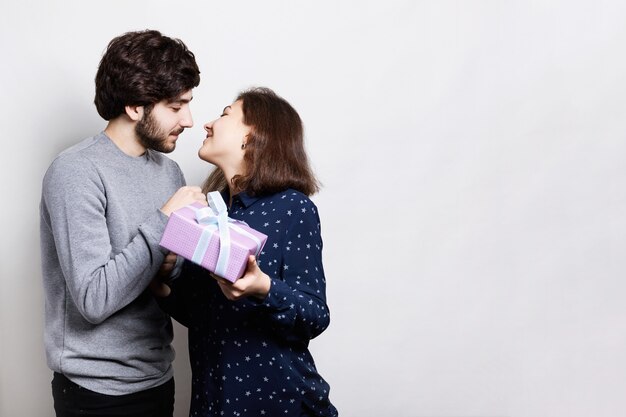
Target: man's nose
187	120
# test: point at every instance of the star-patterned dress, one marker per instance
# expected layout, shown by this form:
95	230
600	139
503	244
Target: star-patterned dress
251	357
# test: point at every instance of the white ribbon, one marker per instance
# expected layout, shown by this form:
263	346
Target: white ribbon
215	217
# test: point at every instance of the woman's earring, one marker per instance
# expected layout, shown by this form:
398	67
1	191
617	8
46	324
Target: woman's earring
243	146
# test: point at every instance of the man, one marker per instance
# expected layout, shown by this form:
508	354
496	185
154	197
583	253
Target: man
104	206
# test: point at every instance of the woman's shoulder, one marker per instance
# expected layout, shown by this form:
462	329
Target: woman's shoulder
292	201
292	197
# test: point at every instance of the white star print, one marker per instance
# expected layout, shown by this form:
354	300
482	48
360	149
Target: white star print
293	301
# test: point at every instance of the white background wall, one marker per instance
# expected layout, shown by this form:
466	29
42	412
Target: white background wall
474	201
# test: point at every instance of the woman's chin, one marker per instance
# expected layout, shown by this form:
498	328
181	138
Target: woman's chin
203	155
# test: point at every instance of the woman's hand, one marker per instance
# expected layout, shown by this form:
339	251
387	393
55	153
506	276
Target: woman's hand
253	283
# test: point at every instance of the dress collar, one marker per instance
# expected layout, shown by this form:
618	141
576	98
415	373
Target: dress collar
246	199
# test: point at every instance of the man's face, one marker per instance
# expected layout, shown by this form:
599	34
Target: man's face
161	124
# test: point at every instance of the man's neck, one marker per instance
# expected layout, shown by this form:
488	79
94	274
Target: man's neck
122	132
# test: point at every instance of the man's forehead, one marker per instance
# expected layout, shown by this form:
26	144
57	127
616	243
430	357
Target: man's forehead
185	97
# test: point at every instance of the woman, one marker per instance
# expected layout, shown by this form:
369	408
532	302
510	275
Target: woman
248	340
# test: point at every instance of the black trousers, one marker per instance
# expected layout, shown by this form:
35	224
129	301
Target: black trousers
72	400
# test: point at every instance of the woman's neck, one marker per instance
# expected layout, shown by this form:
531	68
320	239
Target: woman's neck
229	174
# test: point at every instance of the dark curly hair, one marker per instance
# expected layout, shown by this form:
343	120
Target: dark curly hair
142	68
275	157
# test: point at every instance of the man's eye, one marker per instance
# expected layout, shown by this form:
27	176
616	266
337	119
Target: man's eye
175	109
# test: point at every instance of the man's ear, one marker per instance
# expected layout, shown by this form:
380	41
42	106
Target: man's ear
134	112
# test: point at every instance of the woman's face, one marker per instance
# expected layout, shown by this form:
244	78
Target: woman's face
225	135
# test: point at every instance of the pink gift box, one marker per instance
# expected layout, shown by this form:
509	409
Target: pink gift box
183	233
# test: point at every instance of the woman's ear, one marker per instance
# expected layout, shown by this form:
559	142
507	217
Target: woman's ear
134	112
246	140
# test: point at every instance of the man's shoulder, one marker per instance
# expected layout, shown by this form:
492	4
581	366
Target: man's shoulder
74	160
80	153
81	147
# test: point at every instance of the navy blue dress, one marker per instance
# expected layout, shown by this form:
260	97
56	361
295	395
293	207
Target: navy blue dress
251	357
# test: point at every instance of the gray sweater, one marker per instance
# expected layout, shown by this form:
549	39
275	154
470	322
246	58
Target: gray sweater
100	230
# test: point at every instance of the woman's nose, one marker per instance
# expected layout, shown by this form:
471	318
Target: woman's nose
209	128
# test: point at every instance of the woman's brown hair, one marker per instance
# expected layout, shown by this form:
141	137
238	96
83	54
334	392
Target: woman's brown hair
275	158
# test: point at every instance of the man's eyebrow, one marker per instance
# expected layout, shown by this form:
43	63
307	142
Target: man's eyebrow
180	100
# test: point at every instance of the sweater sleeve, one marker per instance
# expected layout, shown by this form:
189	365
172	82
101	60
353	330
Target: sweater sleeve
99	282
296	303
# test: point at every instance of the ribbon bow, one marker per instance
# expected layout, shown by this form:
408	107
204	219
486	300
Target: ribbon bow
216	215
213	217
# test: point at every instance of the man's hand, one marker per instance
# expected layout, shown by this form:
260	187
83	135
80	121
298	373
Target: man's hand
158	287
183	197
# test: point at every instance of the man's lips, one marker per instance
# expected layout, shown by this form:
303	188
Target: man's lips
177	132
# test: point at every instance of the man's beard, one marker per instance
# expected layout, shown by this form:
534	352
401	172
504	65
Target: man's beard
152	136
